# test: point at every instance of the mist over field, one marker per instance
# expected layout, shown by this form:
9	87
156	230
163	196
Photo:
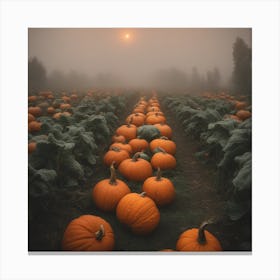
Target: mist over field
161	57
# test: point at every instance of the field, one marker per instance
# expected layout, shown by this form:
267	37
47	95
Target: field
199	143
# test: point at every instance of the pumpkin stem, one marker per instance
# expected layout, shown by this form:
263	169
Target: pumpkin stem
100	233
162	150
136	156
158	178
115	149
164	138
201	234
113	178
142	194
130	121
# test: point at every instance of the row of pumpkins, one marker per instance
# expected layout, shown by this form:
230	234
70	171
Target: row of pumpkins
138	211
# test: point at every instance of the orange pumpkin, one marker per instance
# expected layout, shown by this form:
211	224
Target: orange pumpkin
138	212
34	126
88	233
66	98
198	239
156	118
122	146
240	105
152	113
58	115
233	117
138	145
107	193
31	118
128	131
65	106
32	98
51	110
165	130
136	168
31	147
161	190
118	139
243	114
163	142
137	119
163	160
35	111
116	155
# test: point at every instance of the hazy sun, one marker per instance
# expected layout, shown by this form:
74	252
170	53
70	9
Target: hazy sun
127	36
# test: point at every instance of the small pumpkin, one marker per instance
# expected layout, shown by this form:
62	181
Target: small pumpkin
34	126
122	146
65	106
163	142
163	160
198	239
135	168
59	114
239	105
118	138
116	155
156	118
138	212
32	98
161	190
35	111
31	147
51	110
88	233
138	145
128	131
31	118
243	114
107	193
66	99
165	130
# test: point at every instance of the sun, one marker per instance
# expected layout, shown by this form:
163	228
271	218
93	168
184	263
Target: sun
127	36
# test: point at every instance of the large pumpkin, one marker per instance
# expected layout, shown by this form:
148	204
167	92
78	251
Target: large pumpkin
128	131
135	168
137	119
161	190
163	160
138	145
122	146
163	142
165	130
138	212
88	233
107	193
156	118
198	239
116	155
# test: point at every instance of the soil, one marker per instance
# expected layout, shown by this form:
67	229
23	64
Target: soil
197	199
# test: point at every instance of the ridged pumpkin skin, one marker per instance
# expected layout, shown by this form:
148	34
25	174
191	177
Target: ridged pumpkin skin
107	193
165	130
189	241
115	155
163	161
138	145
161	190
136	169
139	213
168	145
137	119
156	118
85	234
128	131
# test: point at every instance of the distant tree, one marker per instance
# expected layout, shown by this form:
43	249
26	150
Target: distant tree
213	80
37	75
242	72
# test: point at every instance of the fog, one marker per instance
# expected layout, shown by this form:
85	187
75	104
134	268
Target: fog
137	56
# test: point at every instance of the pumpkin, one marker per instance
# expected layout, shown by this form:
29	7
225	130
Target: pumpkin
32	98
138	145
66	98
34	126
137	119
161	190
51	110
128	131
65	106
116	155
118	139
35	111
165	130
88	233
31	147
167	250
240	105
198	239
31	118
50	96
136	168
152	113
153	109
156	118
107	193
138	212
74	96
122	146
163	160
139	110
163	142
59	114
243	114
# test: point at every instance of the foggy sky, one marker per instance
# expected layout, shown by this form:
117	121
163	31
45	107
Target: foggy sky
96	50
